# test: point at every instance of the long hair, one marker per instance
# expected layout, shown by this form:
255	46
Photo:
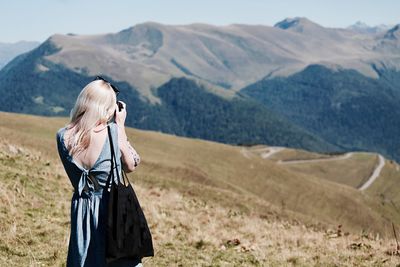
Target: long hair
96	104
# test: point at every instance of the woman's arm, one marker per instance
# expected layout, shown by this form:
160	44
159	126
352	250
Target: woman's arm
129	157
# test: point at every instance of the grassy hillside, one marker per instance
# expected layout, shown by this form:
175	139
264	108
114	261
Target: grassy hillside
207	204
352	171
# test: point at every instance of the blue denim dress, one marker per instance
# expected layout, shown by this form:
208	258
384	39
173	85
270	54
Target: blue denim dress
87	237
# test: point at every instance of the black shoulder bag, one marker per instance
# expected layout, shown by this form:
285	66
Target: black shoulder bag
127	232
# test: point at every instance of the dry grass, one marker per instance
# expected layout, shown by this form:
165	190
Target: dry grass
34	208
206	205
386	188
200	233
187	231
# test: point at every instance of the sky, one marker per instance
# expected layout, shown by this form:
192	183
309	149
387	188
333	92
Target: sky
36	20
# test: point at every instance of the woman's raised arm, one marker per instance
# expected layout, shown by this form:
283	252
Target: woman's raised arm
130	158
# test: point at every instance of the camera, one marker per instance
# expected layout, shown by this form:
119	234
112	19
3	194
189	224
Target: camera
120	106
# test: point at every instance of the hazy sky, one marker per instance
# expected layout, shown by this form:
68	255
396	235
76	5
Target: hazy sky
38	19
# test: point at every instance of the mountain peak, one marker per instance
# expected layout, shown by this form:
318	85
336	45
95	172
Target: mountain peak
362	27
296	23
143	25
393	33
150	32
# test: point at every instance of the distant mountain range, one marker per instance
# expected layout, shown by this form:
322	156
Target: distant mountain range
294	84
362	27
10	50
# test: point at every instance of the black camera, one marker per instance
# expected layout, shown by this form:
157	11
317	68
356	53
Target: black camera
120	106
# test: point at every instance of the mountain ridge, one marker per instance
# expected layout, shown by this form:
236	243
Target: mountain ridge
10	50
214	55
53	89
362	27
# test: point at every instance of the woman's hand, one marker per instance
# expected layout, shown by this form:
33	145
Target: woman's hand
120	116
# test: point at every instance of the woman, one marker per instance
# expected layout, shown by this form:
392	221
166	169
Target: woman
84	149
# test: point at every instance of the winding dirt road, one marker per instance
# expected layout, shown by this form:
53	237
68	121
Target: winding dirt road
345	156
266	152
269	151
375	174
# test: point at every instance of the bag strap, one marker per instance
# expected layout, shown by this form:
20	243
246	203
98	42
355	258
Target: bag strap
113	159
124	176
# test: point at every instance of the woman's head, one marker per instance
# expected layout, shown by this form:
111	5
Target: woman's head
96	104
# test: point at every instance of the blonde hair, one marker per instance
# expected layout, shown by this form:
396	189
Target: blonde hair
95	104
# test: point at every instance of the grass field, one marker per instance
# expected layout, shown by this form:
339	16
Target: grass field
206	204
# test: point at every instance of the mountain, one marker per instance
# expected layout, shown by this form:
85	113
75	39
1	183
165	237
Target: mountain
206	203
393	33
187	108
300	25
213	82
10	50
364	28
389	43
341	106
224	58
